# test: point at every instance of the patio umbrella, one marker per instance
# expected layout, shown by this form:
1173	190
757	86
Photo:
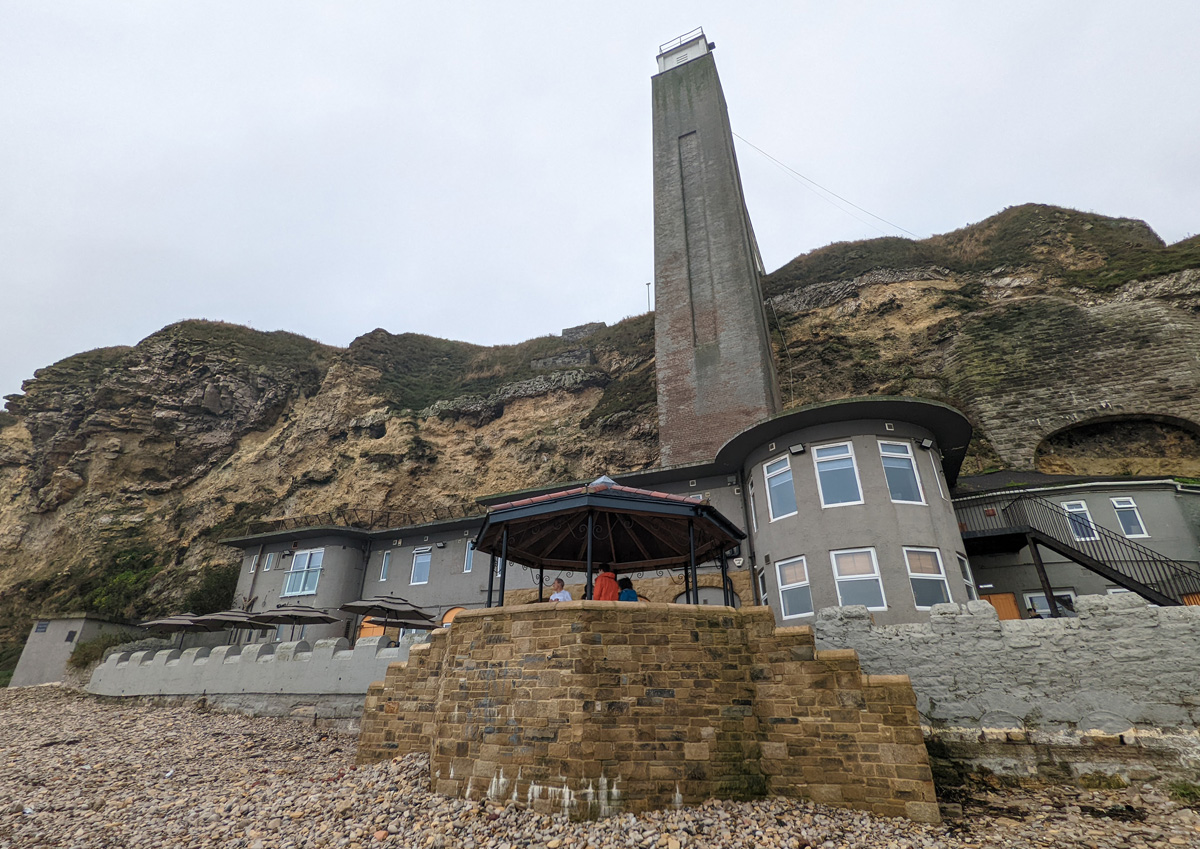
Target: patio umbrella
180	623
388	607
235	620
294	614
414	624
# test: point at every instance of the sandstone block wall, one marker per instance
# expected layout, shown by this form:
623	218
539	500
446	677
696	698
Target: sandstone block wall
591	708
1116	690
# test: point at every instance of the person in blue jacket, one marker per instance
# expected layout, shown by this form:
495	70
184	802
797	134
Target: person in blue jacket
628	593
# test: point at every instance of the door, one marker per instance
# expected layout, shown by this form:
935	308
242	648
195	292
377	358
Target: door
1005	604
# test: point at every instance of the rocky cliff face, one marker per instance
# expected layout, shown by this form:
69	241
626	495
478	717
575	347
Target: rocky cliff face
1070	340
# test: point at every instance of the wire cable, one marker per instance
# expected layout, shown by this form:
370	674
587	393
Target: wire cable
806	180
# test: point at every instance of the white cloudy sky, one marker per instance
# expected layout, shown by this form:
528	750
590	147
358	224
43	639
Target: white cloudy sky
481	171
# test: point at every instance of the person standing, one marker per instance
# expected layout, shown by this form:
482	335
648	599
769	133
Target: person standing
606	588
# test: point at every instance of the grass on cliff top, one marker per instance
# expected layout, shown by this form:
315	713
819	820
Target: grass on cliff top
417	370
1114	251
270	349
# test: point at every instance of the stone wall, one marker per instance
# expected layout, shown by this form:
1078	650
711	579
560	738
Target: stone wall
1114	691
326	679
1009	364
590	708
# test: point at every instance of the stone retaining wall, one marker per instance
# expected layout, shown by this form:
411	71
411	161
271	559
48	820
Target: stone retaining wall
591	708
326	680
1114	691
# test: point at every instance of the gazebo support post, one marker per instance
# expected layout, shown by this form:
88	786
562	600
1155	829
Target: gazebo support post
503	561
541	582
725	589
692	559
587	589
491	578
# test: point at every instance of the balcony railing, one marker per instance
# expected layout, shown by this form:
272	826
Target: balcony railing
368	520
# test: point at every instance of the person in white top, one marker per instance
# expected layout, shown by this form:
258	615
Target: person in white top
560	594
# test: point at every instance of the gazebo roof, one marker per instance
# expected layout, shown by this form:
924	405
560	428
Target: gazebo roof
634	529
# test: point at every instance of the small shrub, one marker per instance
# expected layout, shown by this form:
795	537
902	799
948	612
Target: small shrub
215	591
1186	792
90	651
1102	781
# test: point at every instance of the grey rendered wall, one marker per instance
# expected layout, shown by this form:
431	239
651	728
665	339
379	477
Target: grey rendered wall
44	658
340	580
327	668
1123	675
1164	512
879	522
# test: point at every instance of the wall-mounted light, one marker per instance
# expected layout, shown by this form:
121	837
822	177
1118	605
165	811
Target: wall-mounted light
926	444
440	545
798	448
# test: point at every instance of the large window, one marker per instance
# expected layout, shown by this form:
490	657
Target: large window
1036	603
420	570
927	577
1080	520
837	476
794	592
383	569
968	577
1128	516
468	561
856	572
304	573
900	469
781	494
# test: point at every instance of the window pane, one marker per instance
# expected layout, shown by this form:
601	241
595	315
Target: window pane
782	494
300	562
901	479
778	465
923	562
1131	524
793	573
847	563
420	572
869	592
894	448
832	451
797	601
838	482
929	591
383	570
315	559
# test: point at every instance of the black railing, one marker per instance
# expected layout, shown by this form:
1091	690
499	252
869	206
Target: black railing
1074	535
369	520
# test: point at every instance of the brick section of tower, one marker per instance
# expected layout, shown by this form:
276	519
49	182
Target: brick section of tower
716	374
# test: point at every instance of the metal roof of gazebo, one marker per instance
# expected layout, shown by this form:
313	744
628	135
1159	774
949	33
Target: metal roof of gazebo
606	524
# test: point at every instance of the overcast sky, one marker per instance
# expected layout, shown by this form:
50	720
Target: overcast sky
481	171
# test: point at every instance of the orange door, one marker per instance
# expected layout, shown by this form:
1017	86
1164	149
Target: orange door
1005	604
1192	598
370	629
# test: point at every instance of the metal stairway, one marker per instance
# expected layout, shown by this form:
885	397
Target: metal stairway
1118	559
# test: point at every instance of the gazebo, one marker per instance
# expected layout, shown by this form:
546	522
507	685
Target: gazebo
606	524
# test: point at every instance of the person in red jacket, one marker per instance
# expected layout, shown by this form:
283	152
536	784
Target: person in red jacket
606	588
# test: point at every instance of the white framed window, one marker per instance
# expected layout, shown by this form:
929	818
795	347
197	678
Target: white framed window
304	573
795	595
1127	515
383	568
269	560
900	469
468	560
856	572
1080	521
762	584
1036	601
927	577
253	564
781	494
422	557
837	475
753	509
937	473
968	577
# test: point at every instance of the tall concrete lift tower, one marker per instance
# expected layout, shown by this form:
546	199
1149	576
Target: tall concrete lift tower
716	374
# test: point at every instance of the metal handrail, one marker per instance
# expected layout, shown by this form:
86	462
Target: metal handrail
1124	556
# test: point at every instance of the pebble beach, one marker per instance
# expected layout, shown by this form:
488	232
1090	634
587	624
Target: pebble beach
76	771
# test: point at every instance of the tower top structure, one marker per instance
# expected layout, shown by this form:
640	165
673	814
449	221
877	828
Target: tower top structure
716	372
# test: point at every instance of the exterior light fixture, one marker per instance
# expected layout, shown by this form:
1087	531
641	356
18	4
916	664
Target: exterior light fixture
798	448
926	444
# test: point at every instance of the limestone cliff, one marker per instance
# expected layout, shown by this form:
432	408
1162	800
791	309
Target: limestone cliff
1071	340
